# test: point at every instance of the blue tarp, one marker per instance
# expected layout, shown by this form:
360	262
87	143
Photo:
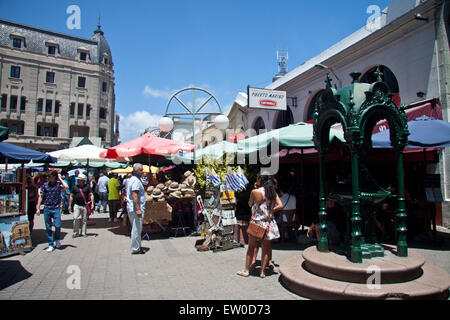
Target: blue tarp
425	132
16	154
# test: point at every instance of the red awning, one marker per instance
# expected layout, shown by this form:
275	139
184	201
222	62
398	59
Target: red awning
428	109
146	144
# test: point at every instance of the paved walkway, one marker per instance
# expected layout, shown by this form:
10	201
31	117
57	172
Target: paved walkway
171	269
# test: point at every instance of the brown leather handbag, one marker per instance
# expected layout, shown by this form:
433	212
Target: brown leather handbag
256	230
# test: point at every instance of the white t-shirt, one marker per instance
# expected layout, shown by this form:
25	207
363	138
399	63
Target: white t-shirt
102	181
290	203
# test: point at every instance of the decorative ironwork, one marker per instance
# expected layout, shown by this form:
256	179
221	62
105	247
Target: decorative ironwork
358	107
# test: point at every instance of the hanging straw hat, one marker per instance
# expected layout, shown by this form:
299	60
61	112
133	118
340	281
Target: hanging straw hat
187	174
157	194
191	181
174	186
150	189
176	194
168	183
160	186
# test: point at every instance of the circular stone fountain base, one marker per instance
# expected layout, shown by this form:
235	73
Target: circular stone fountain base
327	275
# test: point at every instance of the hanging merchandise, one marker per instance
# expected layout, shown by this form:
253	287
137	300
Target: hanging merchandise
232	181
212	176
241	176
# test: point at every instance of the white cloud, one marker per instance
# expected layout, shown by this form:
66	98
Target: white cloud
167	93
156	93
134	124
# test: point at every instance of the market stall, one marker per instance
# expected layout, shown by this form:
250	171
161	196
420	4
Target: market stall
14	229
170	205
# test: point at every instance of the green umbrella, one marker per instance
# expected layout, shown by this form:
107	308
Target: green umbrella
213	151
299	135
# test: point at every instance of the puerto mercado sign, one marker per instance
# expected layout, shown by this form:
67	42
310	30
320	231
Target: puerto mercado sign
266	99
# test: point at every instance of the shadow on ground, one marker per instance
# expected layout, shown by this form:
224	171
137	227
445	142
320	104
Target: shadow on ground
12	272
39	236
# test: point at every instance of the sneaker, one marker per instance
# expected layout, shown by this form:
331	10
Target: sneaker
74	235
50	249
58	244
84	235
110	220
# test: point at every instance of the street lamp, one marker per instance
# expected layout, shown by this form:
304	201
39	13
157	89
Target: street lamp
166	124
319	65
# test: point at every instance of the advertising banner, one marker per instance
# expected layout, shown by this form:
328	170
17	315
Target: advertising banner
266	99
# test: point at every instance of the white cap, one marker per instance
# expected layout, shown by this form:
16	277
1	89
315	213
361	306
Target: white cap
81	177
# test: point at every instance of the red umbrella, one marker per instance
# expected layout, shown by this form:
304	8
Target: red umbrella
146	144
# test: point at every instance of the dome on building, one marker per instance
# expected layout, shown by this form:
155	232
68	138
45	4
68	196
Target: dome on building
103	47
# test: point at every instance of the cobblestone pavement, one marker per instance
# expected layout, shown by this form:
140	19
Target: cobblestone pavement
171	269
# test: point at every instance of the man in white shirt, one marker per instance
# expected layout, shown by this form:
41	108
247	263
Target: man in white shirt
102	191
136	207
290	203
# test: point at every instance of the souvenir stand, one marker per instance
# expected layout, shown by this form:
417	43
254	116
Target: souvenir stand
219	210
14	229
170	206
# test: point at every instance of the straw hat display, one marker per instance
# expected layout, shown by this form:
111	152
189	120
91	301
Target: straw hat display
150	189
157	194
176	195
174	186
189	179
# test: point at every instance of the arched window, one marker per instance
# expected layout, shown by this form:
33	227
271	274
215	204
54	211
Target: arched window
312	104
387	76
259	125
284	119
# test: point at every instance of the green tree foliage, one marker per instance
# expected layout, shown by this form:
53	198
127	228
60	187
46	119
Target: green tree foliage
220	167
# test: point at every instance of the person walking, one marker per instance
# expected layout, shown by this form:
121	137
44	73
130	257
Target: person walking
113	187
51	196
33	194
103	191
264	202
83	199
135	194
65	195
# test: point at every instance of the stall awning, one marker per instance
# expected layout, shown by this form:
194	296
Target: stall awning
15	154
3	133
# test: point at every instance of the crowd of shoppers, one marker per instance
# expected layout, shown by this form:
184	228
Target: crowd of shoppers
81	195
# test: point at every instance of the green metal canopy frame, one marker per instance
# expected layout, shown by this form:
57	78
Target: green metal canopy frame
358	107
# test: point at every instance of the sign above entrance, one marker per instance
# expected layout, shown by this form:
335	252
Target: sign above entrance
266	99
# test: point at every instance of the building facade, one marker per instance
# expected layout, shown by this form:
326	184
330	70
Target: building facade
409	42
55	87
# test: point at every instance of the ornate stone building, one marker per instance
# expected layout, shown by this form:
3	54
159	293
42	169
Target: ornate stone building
55	86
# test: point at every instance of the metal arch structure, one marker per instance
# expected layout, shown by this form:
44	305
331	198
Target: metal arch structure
189	111
194	110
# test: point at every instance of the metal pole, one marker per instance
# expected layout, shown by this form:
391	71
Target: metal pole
323	239
356	252
402	246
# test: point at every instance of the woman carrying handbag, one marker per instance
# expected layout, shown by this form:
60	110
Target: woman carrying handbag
264	202
83	199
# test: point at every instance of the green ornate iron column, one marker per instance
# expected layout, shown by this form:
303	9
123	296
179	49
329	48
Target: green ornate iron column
323	227
356	251
402	246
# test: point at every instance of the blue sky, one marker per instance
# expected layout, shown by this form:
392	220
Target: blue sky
159	46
